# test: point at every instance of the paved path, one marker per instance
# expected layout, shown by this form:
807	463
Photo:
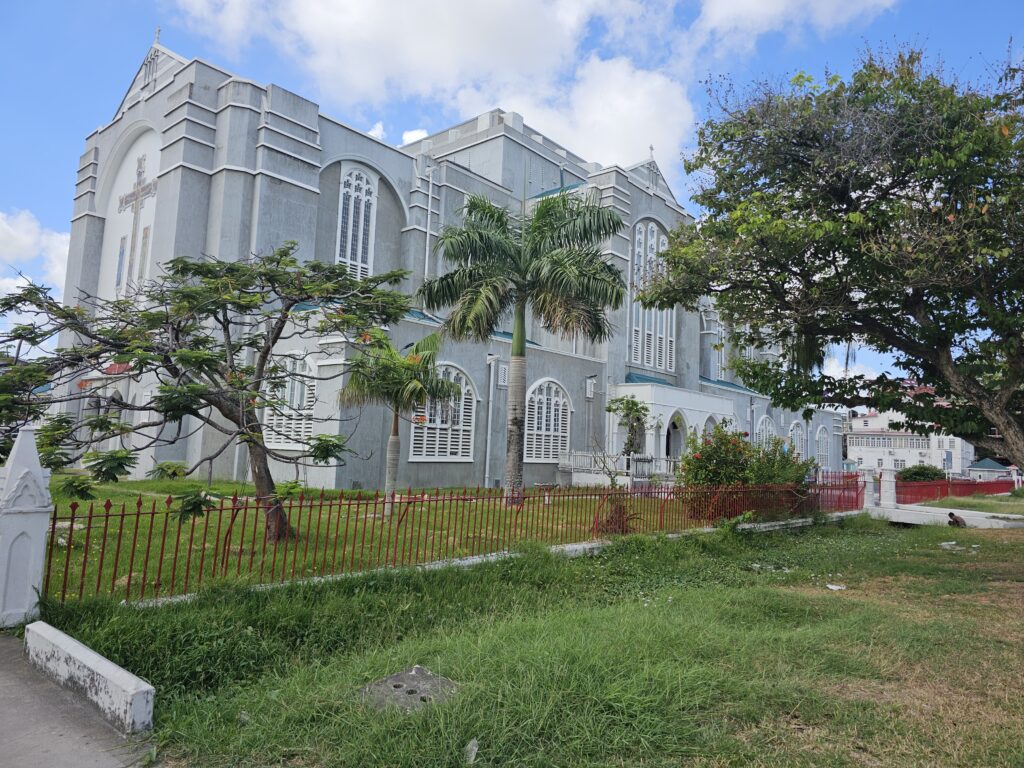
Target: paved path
42	724
916	514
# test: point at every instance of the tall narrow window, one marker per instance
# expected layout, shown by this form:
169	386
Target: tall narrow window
143	254
120	261
823	447
356	218
798	440
653	332
289	423
547	422
765	432
443	431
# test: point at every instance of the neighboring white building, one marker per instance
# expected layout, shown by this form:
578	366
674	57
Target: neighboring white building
872	443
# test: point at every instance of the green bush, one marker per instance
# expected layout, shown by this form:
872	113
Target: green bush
921	472
168	470
1017	493
726	457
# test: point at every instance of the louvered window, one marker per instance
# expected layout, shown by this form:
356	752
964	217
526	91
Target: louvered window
765	432
653	331
289	423
547	422
443	431
824	441
357	211
798	440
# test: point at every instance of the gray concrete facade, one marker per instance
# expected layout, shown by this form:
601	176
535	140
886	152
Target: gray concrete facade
227	167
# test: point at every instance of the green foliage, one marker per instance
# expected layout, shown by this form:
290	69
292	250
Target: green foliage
1017	493
52	437
110	466
194	503
207	330
633	417
921	472
883	210
727	457
77	487
168	470
289	489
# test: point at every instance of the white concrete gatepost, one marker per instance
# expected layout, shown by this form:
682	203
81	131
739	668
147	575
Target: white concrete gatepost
887	488
25	509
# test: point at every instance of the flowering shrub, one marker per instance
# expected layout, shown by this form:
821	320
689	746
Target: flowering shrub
726	457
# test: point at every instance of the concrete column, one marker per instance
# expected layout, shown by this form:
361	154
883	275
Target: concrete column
25	509
887	488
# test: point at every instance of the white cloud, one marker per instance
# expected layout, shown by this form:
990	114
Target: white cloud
29	247
408	137
731	26
534	56
838	369
377	131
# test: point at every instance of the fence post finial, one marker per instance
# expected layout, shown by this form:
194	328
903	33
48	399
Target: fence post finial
25	509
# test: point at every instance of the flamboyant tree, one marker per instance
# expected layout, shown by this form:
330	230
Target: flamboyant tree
881	210
210	344
546	260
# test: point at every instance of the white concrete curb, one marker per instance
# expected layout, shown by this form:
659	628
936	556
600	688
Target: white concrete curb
125	700
915	514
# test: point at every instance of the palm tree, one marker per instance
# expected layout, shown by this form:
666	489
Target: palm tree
400	380
547	260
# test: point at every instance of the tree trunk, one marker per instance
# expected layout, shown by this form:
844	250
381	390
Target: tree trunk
391	471
266	492
516	428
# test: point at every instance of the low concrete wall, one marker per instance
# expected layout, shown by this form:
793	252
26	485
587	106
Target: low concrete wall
914	514
125	700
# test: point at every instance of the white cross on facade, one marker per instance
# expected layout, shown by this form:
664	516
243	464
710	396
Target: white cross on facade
135	200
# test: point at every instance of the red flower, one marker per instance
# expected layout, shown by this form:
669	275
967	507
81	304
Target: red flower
746	434
696	455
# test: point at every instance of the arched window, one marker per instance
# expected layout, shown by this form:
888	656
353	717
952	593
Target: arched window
653	332
357	213
765	432
798	439
443	431
289	423
547	422
710	424
824	443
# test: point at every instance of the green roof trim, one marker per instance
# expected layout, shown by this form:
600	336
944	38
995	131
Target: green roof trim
989	464
642	378
728	385
556	190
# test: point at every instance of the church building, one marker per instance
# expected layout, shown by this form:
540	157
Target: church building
199	161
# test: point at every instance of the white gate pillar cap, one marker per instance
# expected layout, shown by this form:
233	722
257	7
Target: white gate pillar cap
25	484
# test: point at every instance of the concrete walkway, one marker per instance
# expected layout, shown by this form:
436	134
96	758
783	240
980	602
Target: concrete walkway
42	724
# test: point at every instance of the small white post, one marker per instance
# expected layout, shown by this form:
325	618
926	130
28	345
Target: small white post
887	488
25	509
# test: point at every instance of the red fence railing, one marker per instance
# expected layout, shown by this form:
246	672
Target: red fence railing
144	549
933	490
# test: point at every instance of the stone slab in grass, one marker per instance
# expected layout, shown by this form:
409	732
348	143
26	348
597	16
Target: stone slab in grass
409	690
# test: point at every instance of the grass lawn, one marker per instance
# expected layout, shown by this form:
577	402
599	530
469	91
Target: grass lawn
998	505
142	549
711	650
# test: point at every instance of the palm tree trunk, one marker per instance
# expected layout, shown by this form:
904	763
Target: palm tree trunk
391	473
516	430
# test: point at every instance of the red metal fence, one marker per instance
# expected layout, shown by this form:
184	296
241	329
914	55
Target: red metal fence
144	549
932	490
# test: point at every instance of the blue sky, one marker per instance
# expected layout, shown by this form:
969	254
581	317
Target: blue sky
607	78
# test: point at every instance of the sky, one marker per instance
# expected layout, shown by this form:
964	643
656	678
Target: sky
606	78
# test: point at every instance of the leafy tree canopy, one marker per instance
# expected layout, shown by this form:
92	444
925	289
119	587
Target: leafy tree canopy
881	210
209	343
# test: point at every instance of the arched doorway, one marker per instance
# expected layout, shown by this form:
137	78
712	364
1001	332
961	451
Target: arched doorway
675	436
